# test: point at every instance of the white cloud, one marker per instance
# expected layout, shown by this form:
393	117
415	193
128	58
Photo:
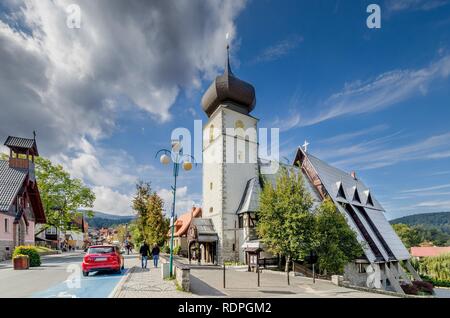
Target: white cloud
379	153
443	186
279	49
421	5
66	83
184	200
386	90
69	79
382	92
110	201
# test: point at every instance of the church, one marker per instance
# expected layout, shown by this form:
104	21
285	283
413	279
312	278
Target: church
20	202
231	188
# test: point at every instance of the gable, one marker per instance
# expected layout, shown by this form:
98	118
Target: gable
11	181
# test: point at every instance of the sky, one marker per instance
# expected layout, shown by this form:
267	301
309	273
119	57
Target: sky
105	97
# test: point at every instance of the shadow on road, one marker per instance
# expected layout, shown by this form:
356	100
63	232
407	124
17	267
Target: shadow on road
201	288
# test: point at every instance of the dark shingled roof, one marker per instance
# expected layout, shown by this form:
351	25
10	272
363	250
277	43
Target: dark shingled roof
11	181
18	143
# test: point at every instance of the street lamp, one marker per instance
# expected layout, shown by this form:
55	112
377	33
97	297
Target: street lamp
178	158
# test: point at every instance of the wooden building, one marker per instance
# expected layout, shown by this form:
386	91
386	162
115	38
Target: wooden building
20	202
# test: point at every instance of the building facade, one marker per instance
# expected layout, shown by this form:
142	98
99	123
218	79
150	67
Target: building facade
20	203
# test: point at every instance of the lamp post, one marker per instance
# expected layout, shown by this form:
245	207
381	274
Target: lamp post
178	159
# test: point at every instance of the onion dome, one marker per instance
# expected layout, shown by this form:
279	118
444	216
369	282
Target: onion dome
229	88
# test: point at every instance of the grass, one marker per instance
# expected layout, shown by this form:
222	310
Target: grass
43	249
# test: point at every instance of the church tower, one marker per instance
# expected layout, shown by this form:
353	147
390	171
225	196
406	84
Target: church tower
230	154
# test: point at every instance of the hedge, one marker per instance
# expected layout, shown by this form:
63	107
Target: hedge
31	251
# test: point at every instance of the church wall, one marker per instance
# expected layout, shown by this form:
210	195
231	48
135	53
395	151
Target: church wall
212	173
229	175
236	175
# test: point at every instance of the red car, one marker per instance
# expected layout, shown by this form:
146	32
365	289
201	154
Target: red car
102	258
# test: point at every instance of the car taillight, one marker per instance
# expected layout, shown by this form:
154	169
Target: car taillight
87	259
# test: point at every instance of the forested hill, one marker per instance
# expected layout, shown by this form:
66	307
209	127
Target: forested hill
438	219
108	220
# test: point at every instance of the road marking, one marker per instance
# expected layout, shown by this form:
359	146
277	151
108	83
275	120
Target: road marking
90	287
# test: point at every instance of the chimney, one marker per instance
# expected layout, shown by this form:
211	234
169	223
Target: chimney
353	174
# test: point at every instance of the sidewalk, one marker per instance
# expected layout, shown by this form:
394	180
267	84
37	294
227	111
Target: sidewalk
147	283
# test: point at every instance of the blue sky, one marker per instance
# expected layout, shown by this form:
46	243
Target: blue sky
371	100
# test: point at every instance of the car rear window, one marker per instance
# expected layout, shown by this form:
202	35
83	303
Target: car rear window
101	250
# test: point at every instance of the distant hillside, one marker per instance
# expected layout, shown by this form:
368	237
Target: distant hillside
101	219
438	219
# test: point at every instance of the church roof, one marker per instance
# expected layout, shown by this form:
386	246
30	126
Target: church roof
337	181
363	212
11	181
20	145
184	221
228	88
250	199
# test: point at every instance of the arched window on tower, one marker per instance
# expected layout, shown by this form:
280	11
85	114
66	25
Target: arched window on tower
211	133
239	128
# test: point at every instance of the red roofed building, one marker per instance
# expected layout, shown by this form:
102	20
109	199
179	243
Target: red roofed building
428	251
181	227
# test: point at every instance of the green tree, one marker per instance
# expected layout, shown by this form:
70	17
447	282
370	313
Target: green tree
286	224
62	196
336	241
151	223
158	227
410	236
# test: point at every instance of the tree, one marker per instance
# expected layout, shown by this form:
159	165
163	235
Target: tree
286	225
151	222
410	236
336	241
62	196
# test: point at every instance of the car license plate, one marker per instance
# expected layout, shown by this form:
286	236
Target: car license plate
100	259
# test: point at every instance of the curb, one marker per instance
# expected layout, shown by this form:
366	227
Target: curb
114	293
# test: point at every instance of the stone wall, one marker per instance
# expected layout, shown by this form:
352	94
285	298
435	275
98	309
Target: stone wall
6	250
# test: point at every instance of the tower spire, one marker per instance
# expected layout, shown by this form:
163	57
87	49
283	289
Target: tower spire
227	66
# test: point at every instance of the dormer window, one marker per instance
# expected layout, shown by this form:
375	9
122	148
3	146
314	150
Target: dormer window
369	199
341	192
356	197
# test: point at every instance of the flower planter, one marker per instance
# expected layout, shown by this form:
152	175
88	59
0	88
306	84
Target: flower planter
21	262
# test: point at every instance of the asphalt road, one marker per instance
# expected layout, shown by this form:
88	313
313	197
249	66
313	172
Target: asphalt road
58	276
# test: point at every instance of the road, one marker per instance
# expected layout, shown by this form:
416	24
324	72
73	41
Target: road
58	276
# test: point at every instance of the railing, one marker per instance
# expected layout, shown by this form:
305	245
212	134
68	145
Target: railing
264	262
302	269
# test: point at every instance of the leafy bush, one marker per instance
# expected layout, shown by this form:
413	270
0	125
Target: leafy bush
410	289
436	267
177	250
424	287
436	282
166	249
31	251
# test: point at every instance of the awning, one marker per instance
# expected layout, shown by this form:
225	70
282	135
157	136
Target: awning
207	238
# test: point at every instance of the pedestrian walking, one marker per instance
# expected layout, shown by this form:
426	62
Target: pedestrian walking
144	251
155	254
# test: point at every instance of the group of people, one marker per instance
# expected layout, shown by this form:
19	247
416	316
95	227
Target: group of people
145	252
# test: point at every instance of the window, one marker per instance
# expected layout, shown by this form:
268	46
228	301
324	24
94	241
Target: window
211	133
341	193
361	268
26	229
241	221
234	247
211	210
239	124
210	186
6	226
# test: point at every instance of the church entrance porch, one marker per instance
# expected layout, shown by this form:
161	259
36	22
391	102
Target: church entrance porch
202	242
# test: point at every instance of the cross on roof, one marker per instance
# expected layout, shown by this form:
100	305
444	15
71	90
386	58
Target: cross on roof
305	146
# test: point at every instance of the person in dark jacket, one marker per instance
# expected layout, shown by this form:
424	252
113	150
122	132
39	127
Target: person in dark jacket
144	251
155	254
